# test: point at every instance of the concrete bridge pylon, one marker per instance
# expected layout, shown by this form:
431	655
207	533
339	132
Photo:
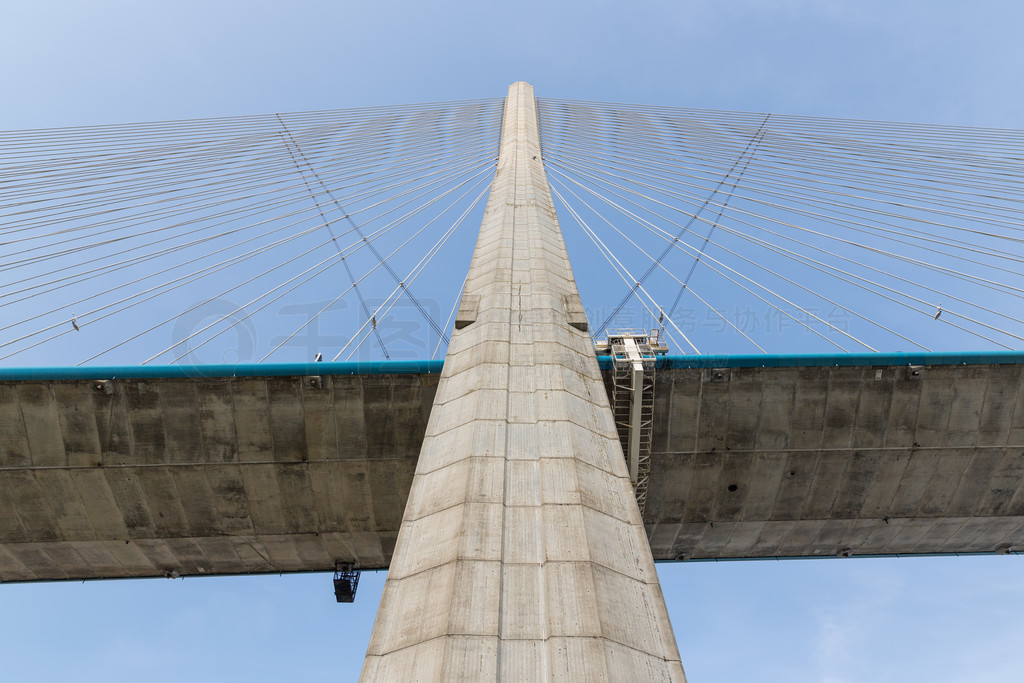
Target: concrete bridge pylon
522	554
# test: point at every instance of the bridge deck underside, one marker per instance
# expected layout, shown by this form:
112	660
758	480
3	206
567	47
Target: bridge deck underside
795	462
253	475
206	476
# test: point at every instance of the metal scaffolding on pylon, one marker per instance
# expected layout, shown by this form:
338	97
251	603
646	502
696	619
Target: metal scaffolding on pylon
634	354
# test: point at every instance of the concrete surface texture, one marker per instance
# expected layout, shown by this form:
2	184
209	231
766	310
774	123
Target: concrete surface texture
205	475
240	475
826	461
522	555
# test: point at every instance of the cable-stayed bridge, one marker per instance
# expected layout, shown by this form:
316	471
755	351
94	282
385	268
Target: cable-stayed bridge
840	301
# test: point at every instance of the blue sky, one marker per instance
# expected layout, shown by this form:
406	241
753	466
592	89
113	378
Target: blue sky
73	63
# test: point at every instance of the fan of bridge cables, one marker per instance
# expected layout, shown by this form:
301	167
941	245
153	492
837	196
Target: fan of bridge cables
758	233
264	238
348	234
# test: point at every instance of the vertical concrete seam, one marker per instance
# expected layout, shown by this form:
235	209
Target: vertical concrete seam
508	432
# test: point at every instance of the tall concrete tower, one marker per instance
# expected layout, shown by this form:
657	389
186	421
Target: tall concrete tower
522	555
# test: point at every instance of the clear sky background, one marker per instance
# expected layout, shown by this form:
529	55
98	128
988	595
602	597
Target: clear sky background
75	63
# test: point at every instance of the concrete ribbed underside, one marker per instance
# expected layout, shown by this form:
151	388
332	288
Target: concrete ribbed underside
521	555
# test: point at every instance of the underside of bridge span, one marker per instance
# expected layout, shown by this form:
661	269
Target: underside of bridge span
148	473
